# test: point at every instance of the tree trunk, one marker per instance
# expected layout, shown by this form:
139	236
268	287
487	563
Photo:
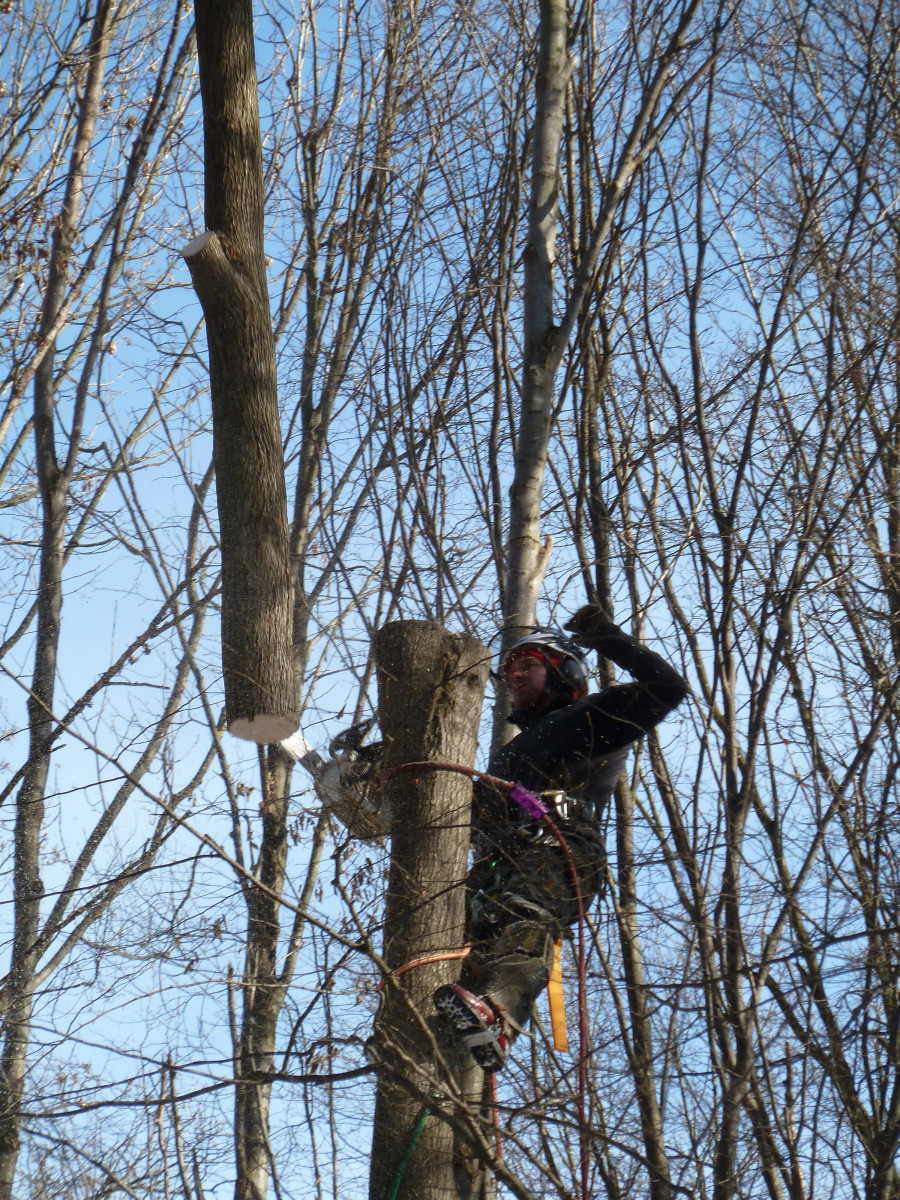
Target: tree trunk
527	558
227	265
527	554
54	482
641	1051
431	686
262	988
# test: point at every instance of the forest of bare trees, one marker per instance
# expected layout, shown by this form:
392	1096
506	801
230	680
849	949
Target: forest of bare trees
604	296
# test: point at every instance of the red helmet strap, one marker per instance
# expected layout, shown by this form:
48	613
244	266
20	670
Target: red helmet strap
551	660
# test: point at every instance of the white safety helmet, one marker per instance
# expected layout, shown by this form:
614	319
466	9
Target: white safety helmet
566	671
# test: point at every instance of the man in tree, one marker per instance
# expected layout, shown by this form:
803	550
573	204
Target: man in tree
571	749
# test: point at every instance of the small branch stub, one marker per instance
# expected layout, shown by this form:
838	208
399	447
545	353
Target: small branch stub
195	247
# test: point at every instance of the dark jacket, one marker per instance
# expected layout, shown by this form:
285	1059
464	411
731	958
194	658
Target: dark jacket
580	748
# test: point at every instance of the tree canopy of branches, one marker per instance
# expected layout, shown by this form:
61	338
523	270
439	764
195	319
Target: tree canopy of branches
193	948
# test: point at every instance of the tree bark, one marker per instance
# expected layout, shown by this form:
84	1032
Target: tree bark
262	994
54	481
641	1052
227	265
545	342
431	686
527	555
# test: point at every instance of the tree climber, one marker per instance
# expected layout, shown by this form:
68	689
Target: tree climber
571	749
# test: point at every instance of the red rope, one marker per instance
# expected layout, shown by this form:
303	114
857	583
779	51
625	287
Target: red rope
439	956
505	785
495	1112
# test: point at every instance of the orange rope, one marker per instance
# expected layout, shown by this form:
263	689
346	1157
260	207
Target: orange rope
491	1078
440	956
495	1112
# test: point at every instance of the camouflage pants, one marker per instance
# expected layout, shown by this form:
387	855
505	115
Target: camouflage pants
521	900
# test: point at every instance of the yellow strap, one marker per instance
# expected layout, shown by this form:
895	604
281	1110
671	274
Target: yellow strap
557	1003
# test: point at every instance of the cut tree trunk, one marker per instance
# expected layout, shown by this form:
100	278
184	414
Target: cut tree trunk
431	686
227	265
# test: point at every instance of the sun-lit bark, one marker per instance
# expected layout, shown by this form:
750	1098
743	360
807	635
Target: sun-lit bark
227	265
431	687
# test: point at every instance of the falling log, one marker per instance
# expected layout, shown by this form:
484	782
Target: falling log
227	266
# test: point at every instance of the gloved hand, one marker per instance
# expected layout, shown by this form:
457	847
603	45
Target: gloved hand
591	627
660	686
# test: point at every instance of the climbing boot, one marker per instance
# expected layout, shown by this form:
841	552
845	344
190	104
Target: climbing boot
475	1023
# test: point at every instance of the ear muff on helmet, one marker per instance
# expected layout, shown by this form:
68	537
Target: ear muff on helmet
566	670
571	675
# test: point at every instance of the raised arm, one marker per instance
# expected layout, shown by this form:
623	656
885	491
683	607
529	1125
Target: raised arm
657	688
568	746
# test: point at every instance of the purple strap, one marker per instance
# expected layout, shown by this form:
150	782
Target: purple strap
532	804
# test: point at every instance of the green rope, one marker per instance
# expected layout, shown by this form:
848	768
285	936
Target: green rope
404	1162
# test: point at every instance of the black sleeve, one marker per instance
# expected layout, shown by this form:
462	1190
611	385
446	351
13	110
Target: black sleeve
657	688
557	750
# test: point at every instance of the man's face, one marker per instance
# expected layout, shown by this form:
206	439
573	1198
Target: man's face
525	674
